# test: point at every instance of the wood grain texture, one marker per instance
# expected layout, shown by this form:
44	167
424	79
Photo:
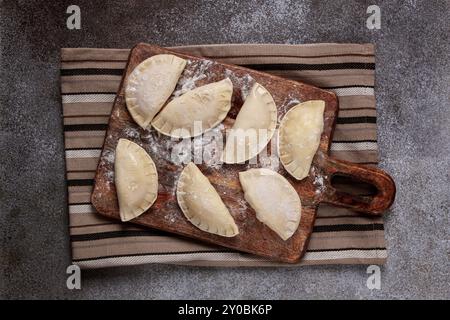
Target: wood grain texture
254	237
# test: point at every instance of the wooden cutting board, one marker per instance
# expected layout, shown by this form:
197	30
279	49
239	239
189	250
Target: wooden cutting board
254	237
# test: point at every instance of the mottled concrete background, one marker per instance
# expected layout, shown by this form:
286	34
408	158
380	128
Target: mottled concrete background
412	50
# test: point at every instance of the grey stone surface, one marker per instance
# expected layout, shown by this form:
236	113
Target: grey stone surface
412	88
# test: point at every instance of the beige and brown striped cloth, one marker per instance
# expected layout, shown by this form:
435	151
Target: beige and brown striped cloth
89	81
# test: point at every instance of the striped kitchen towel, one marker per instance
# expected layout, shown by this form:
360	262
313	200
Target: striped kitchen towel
89	81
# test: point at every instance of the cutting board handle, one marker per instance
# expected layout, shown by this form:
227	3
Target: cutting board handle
373	205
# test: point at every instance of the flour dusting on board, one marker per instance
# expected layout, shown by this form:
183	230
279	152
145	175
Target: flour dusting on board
109	156
171	217
110	175
196	71
287	104
107	159
208	147
318	181
118	113
269	162
245	83
243	207
131	133
157	144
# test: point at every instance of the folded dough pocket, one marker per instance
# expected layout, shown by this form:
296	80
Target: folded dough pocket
254	126
299	137
207	105
136	179
202	205
274	200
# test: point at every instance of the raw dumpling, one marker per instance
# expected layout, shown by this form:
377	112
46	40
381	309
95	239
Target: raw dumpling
274	200
207	105
150	84
299	137
202	205
254	126
136	179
